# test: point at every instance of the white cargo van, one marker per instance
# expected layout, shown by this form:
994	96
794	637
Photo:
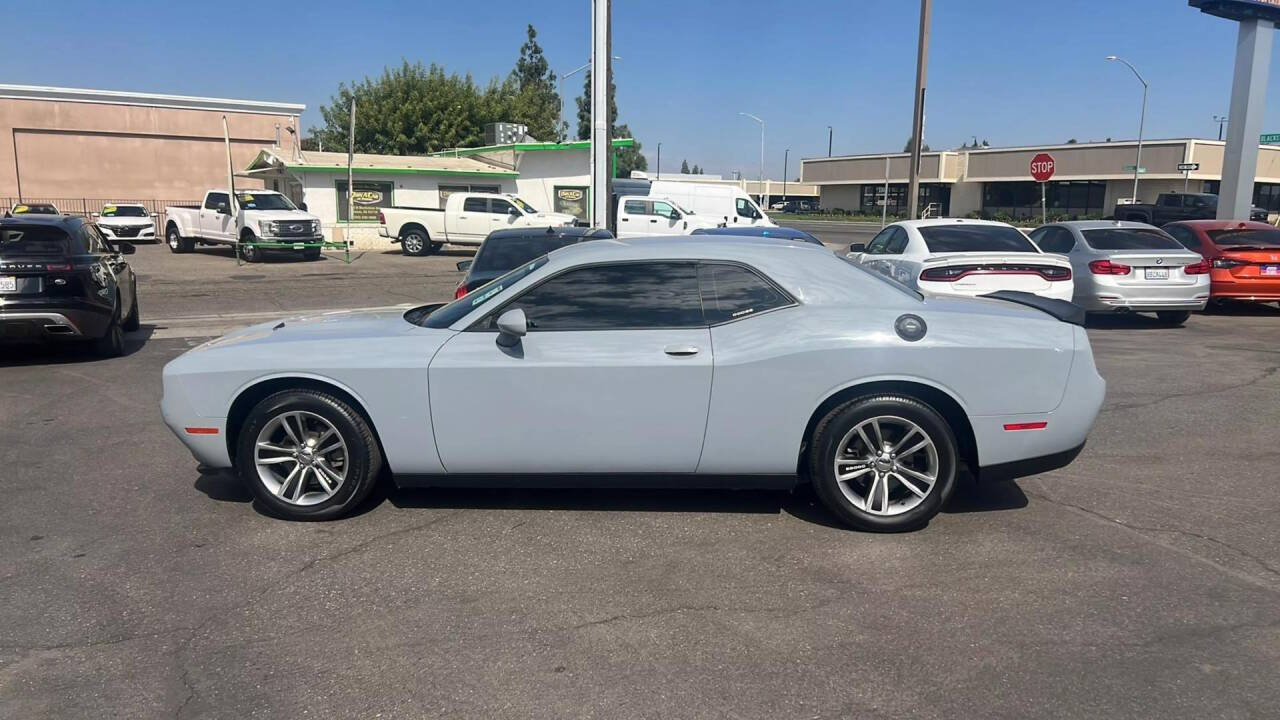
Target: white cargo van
725	203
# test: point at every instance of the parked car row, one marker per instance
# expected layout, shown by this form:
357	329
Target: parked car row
1102	266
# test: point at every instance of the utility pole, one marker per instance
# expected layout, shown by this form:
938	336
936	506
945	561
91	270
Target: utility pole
1142	121
659	161
917	119
785	156
601	143
1221	120
829	141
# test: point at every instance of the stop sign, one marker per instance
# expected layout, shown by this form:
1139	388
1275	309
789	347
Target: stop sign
1042	167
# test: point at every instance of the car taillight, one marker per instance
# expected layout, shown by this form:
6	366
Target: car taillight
1199	268
944	274
1055	274
57	267
382	219
1106	267
1225	262
461	292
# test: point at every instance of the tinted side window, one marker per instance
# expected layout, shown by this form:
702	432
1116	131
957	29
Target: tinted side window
1171	200
635	207
897	242
1185	236
745	209
475	204
1055	240
628	296
212	200
502	207
730	292
876	246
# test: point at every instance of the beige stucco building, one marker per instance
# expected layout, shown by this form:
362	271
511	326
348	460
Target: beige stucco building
72	144
1089	178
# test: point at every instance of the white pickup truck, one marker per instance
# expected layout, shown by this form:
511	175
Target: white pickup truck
258	220
641	215
467	219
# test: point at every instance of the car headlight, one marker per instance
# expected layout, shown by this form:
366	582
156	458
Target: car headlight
266	227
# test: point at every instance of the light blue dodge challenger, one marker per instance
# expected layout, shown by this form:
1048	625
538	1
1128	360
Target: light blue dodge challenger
708	362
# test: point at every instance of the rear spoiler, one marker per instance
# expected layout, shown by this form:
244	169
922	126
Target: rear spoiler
1061	309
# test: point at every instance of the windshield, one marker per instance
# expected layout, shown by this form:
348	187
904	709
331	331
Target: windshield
265	201
123	211
34	209
1130	239
975	238
523	205
451	313
34	240
1248	238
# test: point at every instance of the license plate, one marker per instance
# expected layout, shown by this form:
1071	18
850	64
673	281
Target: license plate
296	246
1157	274
8	283
1271	269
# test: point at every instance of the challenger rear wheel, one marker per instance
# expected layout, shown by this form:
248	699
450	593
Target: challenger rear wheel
884	463
307	455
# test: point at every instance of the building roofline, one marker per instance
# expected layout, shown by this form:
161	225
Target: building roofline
531	147
1024	148
119	97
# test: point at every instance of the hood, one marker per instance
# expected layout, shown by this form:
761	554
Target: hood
281	215
367	324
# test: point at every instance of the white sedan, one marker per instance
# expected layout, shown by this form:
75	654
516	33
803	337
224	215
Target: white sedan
717	362
954	256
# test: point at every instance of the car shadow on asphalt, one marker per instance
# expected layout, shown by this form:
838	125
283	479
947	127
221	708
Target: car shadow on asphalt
68	352
801	503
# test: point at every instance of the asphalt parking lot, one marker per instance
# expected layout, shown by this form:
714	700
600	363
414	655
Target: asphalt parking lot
1141	581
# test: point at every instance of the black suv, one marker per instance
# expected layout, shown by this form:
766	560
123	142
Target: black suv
60	279
503	250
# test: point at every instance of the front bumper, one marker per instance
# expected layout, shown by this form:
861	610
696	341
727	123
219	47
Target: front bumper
275	242
205	437
147	233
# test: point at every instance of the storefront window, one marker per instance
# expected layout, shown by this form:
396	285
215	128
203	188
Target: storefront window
369	196
937	194
1069	198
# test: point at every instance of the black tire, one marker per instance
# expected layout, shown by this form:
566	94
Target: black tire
1173	318
841	421
311	254
111	344
134	320
363	459
248	252
417	243
177	243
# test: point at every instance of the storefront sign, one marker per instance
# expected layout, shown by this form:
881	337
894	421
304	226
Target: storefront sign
369	196
571	200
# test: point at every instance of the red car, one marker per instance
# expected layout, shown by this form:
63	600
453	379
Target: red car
1244	256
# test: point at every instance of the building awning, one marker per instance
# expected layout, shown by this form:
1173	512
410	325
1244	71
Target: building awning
276	159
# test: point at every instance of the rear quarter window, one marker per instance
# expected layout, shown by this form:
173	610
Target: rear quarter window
733	292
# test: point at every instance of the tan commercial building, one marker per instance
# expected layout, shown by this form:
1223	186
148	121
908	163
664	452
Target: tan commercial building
82	147
1089	178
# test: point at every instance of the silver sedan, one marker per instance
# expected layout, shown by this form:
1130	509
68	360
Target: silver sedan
1129	267
716	362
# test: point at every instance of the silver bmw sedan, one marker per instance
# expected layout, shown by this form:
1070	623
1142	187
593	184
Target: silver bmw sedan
1129	267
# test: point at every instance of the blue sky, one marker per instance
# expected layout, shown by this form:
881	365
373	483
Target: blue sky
1010	71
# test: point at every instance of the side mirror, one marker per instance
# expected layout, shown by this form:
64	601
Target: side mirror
154	216
512	326
95	215
464	265
513	212
222	209
857	247
302	206
125	248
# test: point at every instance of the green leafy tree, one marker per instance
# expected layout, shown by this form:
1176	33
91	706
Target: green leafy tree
907	147
536	103
628	159
696	170
684	167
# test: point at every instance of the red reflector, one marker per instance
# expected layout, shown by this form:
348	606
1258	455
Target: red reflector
460	292
1106	267
1027	426
1199	268
382	219
58	267
201	431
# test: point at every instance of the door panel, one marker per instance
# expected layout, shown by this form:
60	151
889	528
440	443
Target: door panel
607	401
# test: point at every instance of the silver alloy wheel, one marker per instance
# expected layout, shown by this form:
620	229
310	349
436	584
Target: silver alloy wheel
886	465
301	457
174	239
413	243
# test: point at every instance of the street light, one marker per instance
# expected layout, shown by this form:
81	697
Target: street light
659	161
785	156
763	199
1221	120
1142	121
828	141
560	82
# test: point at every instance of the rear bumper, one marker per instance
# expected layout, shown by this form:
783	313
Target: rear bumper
39	321
1056	290
1101	294
1245	289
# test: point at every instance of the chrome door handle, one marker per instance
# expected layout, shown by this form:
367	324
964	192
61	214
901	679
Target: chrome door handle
680	350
